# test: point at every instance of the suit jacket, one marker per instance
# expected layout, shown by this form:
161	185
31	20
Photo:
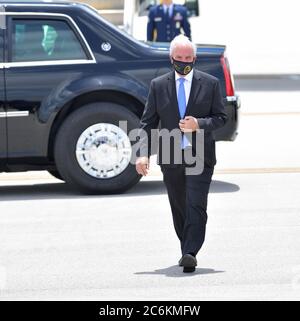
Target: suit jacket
167	28
205	103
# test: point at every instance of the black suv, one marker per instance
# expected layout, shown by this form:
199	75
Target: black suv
67	78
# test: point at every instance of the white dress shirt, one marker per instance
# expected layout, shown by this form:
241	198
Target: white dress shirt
170	9
187	84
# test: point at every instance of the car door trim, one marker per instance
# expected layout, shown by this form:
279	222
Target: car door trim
45	63
10	114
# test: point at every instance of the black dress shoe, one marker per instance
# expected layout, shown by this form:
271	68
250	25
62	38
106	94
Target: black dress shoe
188	262
180	261
188	269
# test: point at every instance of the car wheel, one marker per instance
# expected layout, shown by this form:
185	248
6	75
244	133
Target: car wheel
92	153
55	174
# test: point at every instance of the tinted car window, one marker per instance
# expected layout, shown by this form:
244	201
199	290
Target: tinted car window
1	45
38	40
2	28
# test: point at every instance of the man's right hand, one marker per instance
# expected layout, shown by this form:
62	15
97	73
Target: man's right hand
142	165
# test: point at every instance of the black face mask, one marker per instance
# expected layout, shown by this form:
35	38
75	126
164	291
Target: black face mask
183	68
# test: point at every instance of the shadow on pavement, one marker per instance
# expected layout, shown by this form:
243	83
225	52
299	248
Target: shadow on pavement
175	271
63	191
223	187
158	187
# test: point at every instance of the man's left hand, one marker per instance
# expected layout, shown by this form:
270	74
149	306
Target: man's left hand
188	124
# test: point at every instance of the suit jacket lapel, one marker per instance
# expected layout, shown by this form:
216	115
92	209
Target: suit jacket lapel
161	12
173	94
195	89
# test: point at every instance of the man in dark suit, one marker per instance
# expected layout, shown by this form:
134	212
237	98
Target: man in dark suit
189	101
166	21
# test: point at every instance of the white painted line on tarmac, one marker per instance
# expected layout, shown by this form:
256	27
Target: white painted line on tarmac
292	113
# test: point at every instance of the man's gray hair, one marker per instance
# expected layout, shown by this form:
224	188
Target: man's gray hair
182	40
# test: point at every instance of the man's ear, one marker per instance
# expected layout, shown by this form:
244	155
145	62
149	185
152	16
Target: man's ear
171	59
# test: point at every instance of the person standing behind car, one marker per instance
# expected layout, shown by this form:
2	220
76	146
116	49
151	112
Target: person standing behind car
166	21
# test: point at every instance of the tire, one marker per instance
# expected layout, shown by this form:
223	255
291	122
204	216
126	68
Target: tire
55	174
73	140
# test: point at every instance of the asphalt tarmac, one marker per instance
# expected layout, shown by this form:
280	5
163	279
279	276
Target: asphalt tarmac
56	244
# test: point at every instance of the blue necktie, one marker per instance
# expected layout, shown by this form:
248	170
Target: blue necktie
168	13
182	107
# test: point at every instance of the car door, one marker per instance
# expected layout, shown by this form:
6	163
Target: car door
3	141
45	53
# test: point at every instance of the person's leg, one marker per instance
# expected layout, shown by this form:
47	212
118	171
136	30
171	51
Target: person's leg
174	179
197	188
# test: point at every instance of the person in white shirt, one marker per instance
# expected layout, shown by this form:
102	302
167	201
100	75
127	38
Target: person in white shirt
185	100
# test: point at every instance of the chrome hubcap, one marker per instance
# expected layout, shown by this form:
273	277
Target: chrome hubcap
103	150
